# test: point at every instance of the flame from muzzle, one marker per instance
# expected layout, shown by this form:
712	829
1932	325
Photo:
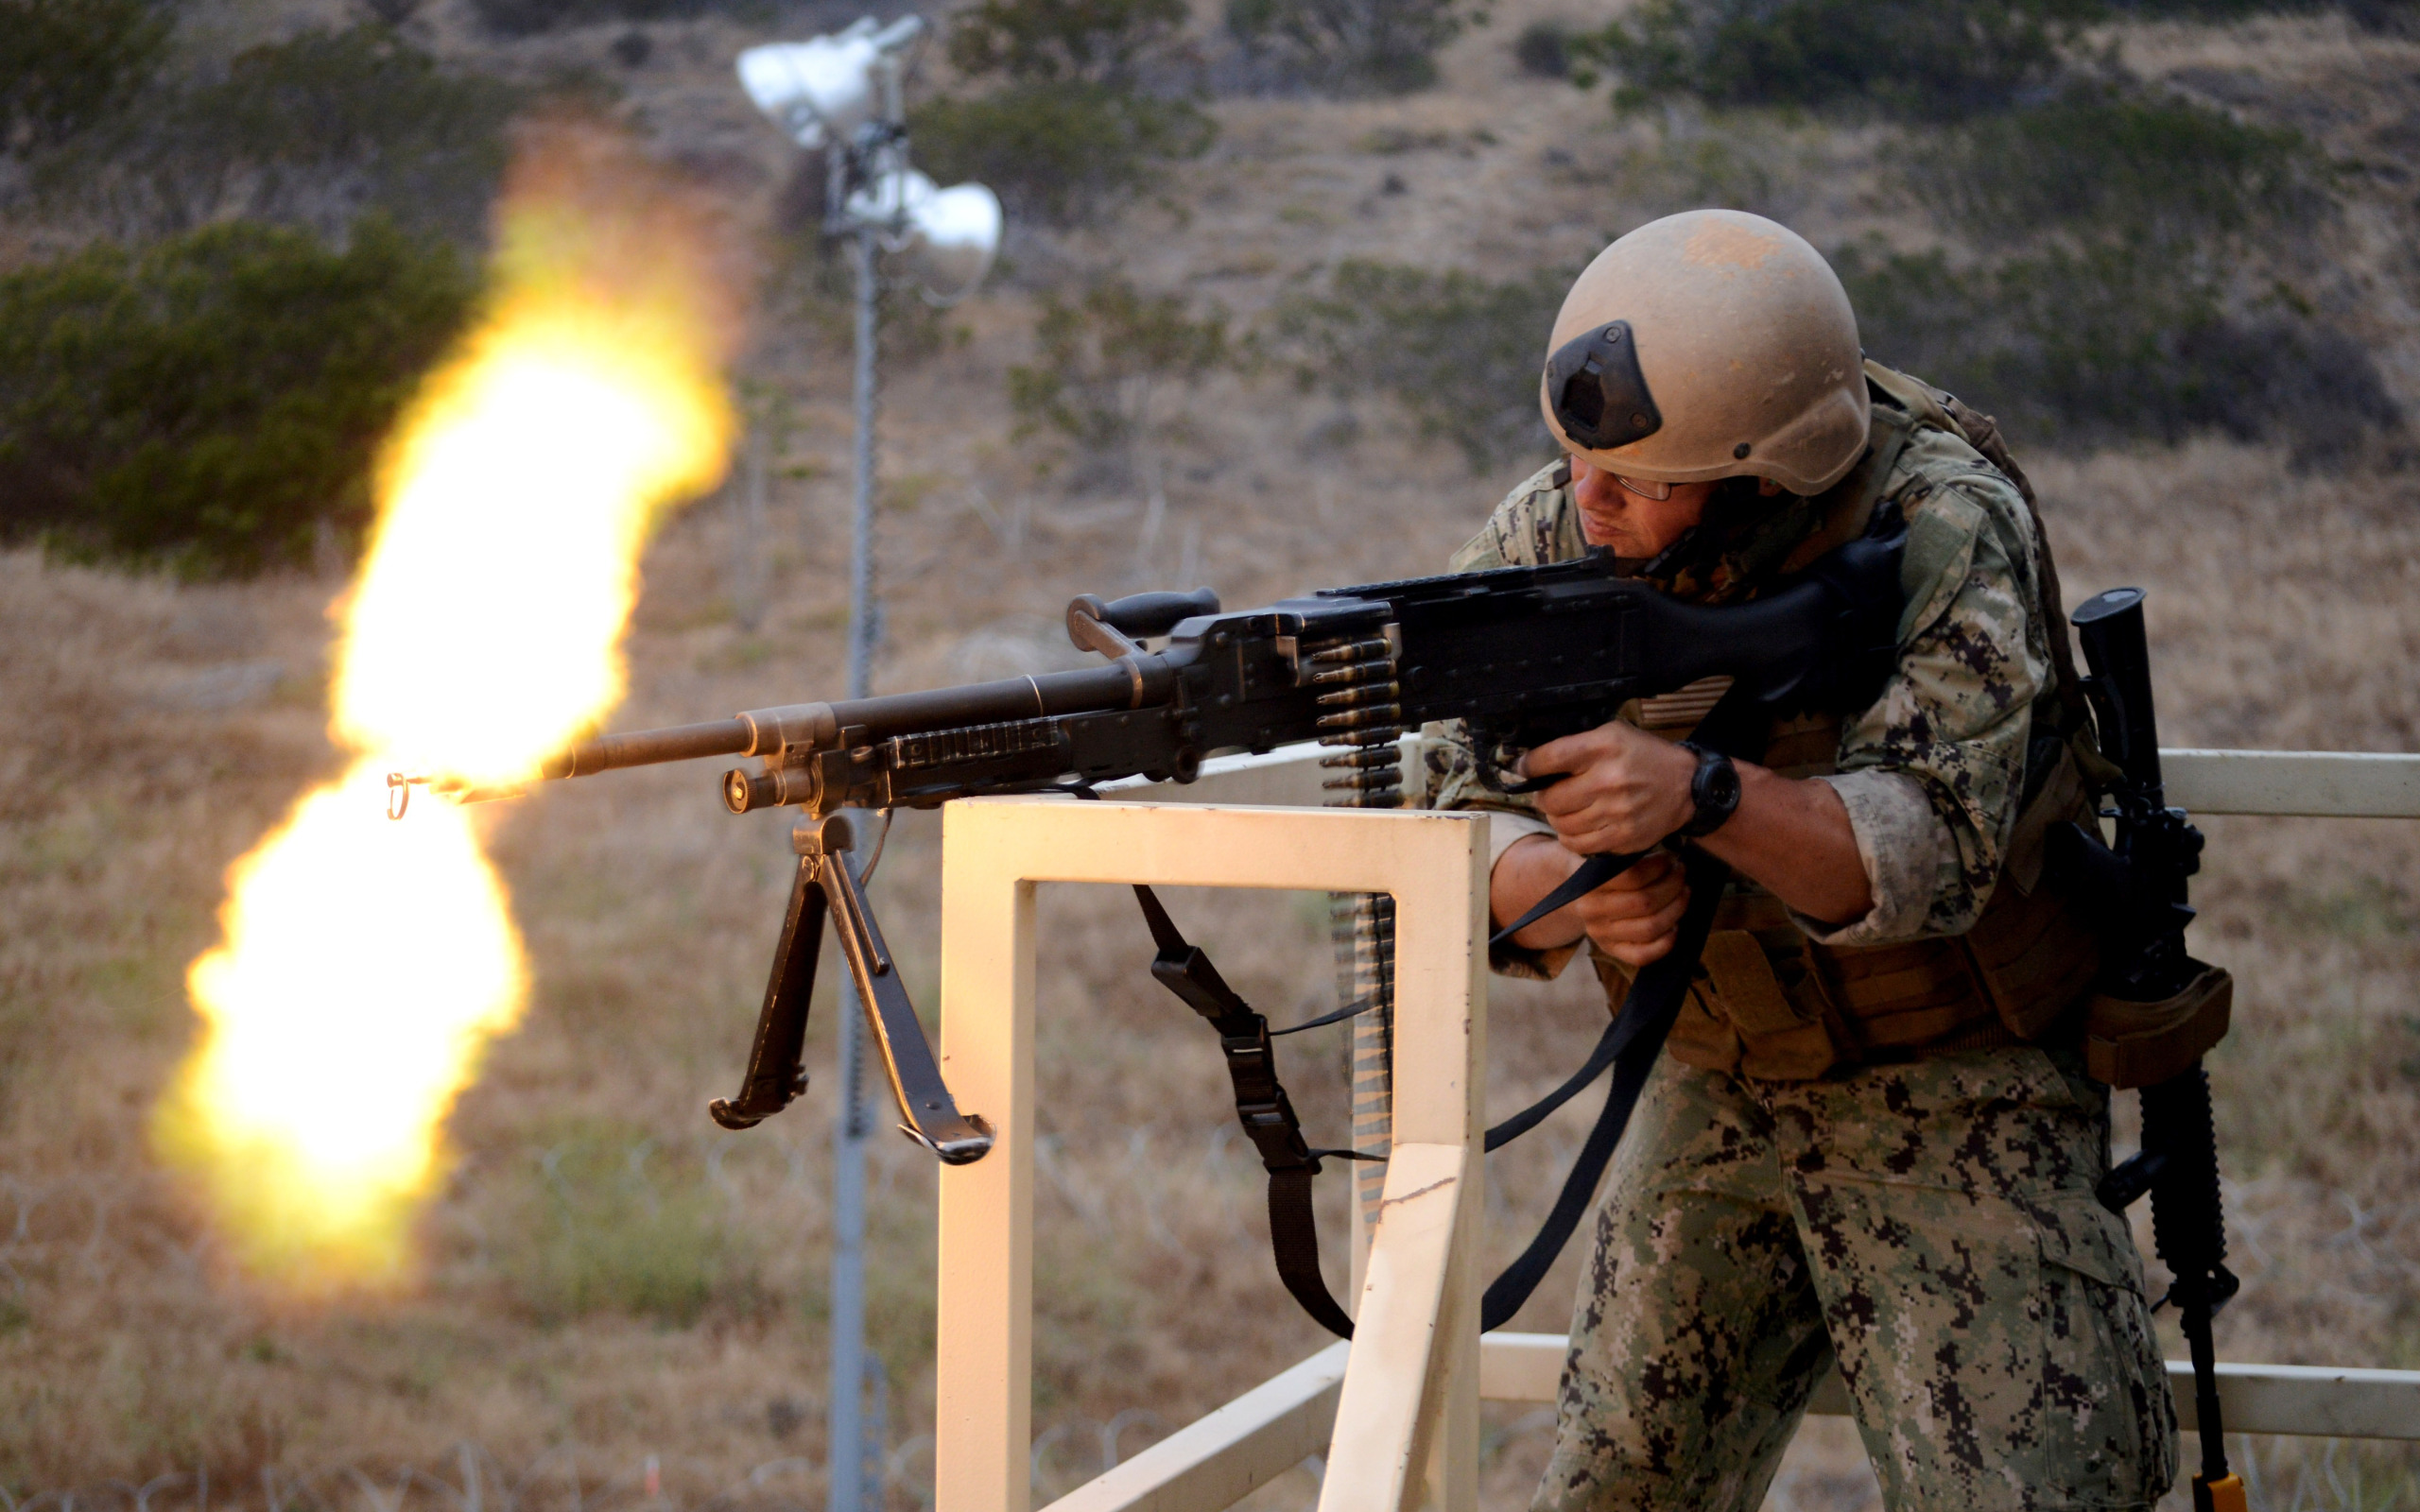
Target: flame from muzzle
366	966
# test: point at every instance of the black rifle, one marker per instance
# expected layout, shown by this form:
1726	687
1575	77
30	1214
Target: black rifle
1524	655
2137	889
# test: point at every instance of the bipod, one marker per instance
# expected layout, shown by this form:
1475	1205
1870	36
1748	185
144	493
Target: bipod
826	887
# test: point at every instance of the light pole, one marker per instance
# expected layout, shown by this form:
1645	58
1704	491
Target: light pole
840	94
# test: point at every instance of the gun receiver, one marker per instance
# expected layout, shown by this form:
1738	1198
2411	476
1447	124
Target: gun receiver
1523	655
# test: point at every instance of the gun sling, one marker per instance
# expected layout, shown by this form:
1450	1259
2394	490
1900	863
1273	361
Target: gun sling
1631	1045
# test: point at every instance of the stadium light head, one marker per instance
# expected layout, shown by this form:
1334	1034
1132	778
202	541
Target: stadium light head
821	91
945	237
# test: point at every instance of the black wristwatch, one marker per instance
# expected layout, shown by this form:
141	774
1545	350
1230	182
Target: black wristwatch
1715	790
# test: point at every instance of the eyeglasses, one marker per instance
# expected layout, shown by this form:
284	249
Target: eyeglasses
1645	488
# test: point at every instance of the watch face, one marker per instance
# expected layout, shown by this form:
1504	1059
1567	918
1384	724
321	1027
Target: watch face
1723	785
1716	792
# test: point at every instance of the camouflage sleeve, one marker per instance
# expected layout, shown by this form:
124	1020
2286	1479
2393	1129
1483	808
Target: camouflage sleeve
1932	773
1534	525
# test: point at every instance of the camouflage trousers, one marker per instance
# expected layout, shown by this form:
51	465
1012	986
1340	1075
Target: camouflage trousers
1929	1227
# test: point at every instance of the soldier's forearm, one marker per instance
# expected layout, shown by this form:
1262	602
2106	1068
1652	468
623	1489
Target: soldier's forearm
1528	870
1793	835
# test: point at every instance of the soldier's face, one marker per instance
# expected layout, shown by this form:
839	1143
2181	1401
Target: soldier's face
1626	519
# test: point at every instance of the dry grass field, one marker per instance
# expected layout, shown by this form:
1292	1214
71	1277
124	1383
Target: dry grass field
622	1306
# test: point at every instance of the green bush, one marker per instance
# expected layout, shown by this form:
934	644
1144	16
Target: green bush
1385	46
1056	152
527	18
1740	160
2106	344
1086	42
1454	355
2126	279
66	64
2109	165
1076	121
1544	50
214	402
1915	60
2236	9
1104	360
311	132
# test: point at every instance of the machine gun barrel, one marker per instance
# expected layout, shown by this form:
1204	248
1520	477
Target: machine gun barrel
1520	655
648	748
1129	683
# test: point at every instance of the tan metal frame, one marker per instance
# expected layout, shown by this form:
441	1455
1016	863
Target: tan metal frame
1418	1360
1405	1409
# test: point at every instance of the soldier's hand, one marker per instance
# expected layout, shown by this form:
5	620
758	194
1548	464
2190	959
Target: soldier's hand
1626	789
1634	917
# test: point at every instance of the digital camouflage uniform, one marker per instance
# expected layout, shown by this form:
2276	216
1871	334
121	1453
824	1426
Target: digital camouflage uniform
1927	1225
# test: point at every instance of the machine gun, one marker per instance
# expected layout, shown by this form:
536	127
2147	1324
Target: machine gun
2156	1009
1523	655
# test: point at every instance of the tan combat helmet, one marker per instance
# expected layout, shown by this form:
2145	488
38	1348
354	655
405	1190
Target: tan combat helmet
1710	344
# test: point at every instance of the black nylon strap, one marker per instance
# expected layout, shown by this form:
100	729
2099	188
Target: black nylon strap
1164	931
1609	1044
1262	1108
1637	1040
1350	1011
1632	1044
1294	1239
1592	874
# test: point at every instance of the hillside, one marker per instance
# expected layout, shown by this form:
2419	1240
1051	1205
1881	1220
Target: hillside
624	1306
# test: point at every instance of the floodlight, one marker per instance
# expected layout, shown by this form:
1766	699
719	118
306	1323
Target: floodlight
946	237
821	91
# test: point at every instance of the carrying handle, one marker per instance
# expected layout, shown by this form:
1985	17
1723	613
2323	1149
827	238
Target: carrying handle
1113	627
1156	614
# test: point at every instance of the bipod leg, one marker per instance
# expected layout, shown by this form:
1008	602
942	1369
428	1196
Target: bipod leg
928	1113
776	1074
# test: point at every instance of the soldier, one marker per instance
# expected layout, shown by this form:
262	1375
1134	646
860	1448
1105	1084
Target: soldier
1870	1143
